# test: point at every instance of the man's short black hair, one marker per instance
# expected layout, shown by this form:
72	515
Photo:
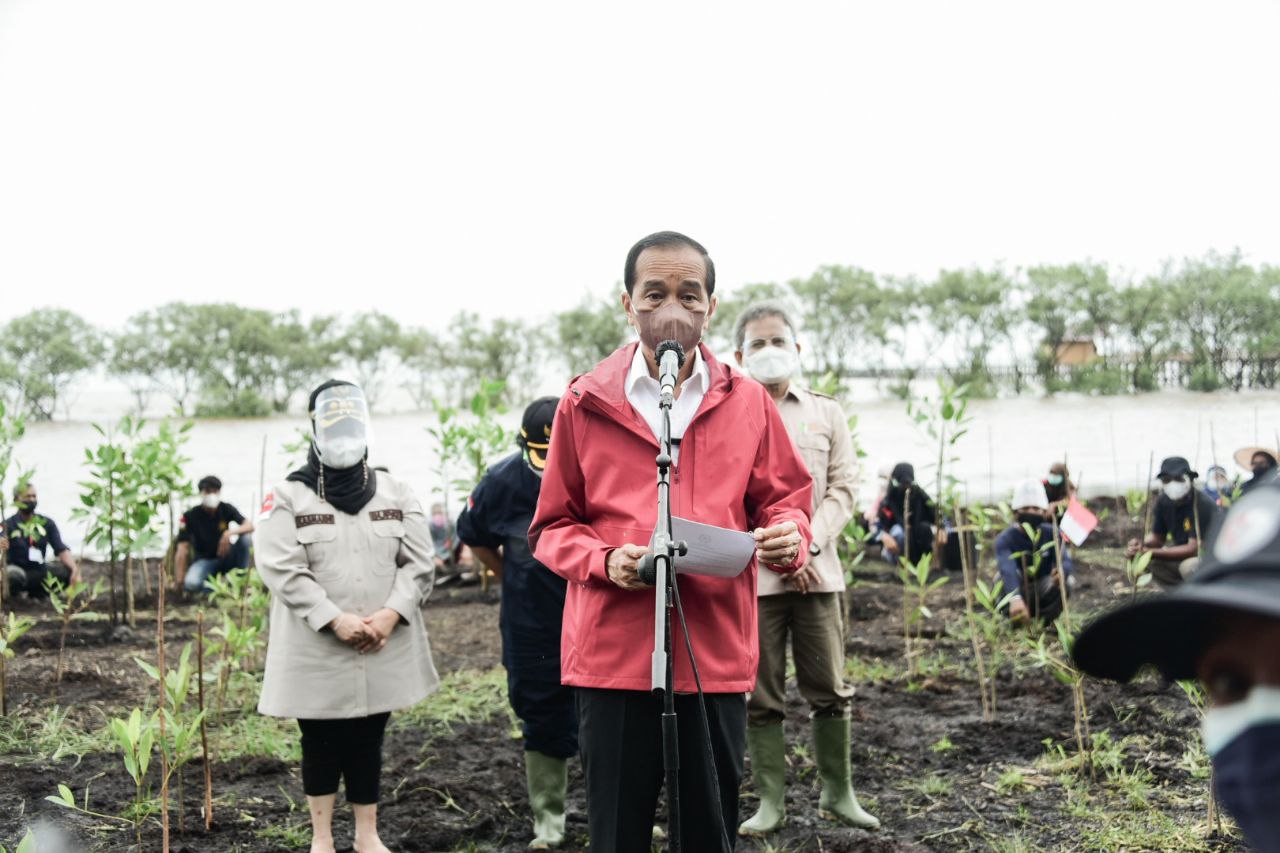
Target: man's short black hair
662	240
210	482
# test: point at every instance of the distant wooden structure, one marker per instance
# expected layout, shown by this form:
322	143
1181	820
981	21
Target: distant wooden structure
1075	352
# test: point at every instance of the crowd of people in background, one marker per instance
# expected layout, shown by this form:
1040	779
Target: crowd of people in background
563	523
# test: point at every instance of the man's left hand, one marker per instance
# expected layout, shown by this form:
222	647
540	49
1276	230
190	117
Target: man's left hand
224	544
778	545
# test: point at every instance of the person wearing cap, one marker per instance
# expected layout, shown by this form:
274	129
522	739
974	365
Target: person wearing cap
216	532
347	555
1180	518
1223	627
734	467
806	604
495	524
1261	462
905	504
1028	559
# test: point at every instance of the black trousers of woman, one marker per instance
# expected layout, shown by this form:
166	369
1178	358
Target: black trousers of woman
343	749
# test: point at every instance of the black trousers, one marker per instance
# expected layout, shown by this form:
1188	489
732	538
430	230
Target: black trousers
34	584
620	736
547	710
347	749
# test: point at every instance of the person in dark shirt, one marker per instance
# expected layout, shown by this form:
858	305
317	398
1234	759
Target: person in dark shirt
1183	514
904	503
1058	487
217	534
1029	566
27	537
495	524
1262	462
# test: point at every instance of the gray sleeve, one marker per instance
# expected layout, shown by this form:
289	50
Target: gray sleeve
415	564
282	563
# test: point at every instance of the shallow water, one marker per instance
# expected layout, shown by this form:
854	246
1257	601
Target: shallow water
1008	439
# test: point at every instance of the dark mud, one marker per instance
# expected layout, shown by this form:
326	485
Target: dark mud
924	761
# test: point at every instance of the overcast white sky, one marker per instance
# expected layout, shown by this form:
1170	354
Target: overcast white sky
421	158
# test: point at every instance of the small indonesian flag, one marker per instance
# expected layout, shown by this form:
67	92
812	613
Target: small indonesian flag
1077	522
268	504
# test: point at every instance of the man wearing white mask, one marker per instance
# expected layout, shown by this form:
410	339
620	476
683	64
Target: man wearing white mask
1223	627
218	534
805	605
1180	519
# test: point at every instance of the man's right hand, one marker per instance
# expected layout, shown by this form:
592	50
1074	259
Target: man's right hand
1018	610
352	630
623	566
888	543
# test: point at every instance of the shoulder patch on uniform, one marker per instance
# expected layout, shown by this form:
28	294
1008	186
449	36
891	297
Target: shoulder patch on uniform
823	396
268	507
315	518
386	515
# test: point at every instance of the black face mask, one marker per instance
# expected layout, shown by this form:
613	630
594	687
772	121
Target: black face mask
1035	519
1247	778
29	509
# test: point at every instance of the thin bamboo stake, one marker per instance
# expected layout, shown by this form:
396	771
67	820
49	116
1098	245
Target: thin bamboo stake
130	613
967	570
204	734
164	749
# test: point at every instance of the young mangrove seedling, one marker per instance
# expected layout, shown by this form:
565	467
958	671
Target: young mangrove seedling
69	602
12	627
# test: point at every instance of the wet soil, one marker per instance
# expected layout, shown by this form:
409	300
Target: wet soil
924	760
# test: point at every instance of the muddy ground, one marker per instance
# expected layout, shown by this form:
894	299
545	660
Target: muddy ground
924	760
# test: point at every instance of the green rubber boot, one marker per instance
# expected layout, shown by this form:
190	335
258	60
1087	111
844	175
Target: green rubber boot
768	751
548	778
831	748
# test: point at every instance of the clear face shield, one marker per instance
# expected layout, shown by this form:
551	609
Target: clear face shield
341	425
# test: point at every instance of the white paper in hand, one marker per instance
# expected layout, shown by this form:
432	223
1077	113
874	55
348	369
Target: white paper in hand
712	550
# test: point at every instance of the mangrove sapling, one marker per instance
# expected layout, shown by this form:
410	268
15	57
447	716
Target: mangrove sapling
12	627
1195	694
915	581
179	727
994	626
69	602
965	531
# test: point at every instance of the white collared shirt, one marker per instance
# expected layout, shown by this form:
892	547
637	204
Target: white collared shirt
643	391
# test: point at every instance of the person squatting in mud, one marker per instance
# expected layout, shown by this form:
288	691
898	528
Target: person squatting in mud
347	554
806	604
495	523
734	467
1028	559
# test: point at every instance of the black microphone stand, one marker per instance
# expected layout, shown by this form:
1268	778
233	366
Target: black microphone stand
659	569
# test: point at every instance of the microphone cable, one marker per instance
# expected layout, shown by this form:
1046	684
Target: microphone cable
725	846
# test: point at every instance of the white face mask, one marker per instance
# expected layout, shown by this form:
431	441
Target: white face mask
1176	490
211	500
772	364
341	451
1224	723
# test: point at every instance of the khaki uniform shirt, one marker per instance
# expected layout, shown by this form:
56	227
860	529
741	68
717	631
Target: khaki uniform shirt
818	426
320	562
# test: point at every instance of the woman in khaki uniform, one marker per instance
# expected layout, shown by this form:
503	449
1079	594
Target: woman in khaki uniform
347	554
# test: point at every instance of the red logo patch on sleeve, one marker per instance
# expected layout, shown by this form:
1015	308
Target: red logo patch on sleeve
268	504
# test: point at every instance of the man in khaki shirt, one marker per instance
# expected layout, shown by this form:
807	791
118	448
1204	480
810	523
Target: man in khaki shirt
806	604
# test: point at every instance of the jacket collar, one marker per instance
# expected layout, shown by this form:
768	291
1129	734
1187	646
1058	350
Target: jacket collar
606	385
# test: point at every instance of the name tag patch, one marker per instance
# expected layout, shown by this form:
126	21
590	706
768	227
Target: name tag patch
308	520
386	515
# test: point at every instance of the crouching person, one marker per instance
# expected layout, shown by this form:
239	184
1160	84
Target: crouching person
218	535
347	555
1030	562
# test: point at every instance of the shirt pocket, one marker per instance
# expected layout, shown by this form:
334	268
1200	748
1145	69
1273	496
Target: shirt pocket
320	542
387	537
815	450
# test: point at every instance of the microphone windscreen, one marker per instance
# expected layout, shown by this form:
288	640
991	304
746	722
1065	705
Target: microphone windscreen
666	346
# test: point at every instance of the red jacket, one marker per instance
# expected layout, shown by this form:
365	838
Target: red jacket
738	469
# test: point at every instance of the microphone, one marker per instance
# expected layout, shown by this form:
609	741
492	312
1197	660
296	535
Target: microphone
670	356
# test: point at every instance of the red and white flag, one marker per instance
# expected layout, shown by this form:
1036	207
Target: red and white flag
1077	522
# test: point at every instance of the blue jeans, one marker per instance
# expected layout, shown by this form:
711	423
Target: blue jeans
900	537
201	570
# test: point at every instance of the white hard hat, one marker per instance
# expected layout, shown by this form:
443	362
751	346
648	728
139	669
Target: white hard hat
1030	493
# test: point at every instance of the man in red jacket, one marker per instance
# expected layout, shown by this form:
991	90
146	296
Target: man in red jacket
735	467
